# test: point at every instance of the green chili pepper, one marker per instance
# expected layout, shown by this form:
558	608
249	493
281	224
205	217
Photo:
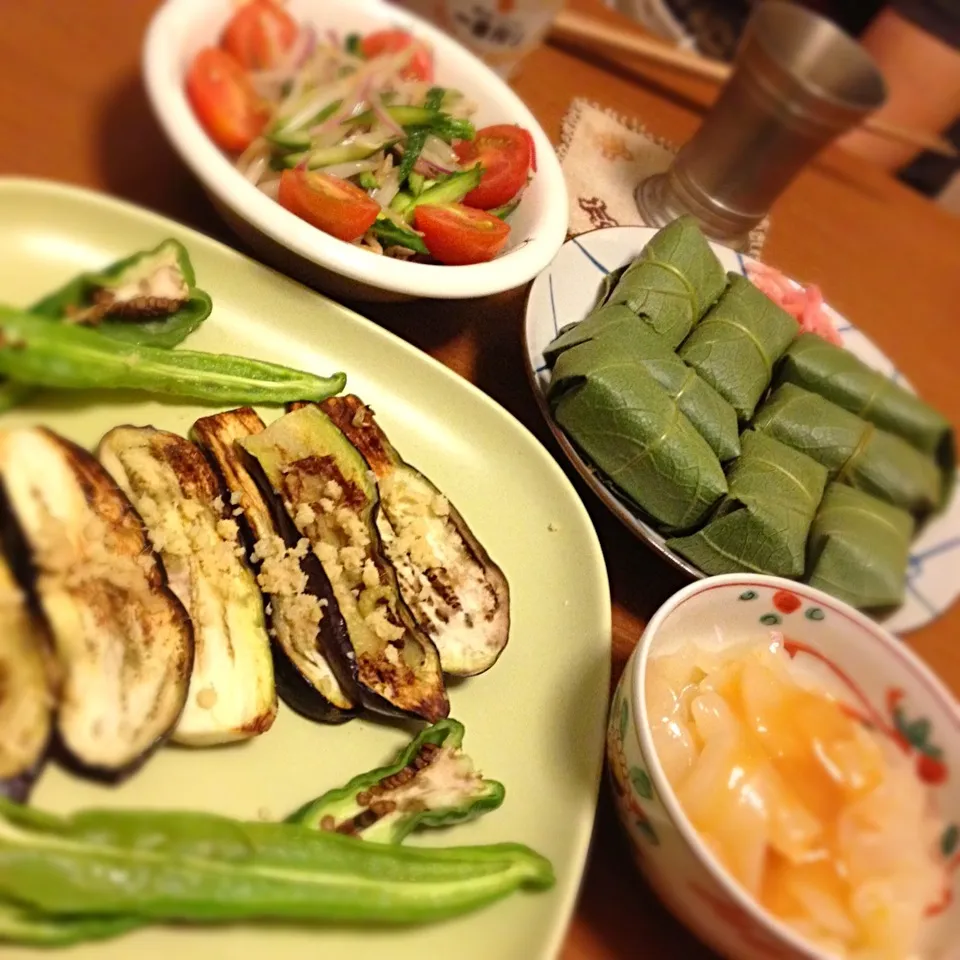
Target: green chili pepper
416	183
435	121
508	208
353	44
414	144
23	925
431	783
130	292
165	866
285	138
327	156
391	235
449	189
43	353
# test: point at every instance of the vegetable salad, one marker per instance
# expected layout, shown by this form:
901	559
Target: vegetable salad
354	136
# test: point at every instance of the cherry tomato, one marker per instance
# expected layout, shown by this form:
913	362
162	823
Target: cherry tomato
376	44
455	234
533	149
506	154
224	100
332	205
259	34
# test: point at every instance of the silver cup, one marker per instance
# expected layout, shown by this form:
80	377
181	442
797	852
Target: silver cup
797	83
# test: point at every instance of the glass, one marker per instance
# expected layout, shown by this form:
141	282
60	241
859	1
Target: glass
797	83
500	32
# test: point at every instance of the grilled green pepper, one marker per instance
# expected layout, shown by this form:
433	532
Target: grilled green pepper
431	783
149	298
35	928
37	351
170	866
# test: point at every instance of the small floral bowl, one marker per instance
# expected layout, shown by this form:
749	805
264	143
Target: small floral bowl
861	664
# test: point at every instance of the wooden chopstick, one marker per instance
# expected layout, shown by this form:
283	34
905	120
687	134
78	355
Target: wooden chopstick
584	27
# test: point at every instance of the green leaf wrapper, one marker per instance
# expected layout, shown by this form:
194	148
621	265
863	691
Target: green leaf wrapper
737	344
762	524
859	547
622	337
673	282
636	435
844	379
854	451
168	331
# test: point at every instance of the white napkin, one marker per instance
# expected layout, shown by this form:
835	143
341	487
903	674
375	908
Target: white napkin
604	157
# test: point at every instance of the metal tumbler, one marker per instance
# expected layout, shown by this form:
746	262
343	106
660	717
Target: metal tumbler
797	83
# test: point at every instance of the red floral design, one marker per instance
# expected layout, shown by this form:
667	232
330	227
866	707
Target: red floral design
786	602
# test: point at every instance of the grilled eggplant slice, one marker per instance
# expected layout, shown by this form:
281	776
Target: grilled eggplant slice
232	692
458	595
122	640
27	699
329	491
289	575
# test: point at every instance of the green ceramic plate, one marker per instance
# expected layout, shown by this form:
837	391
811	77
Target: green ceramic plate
535	721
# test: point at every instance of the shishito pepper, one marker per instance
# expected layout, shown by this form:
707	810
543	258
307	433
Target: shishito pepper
173	866
150	298
35	350
431	783
20	924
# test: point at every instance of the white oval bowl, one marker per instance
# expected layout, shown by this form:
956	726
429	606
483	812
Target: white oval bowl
180	28
679	867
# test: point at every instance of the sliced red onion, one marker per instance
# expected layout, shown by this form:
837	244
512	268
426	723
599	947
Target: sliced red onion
270	187
389	188
440	154
347	109
384	117
352	168
308	41
255	169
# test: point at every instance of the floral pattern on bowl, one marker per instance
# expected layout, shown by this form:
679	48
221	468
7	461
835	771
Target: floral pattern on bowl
866	669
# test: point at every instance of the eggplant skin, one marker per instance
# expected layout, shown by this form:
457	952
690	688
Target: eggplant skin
123	642
457	594
27	691
304	677
327	489
232	691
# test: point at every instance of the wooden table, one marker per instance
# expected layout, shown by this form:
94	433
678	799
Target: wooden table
72	108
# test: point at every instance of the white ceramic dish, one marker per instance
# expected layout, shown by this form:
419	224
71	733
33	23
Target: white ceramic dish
535	721
566	292
894	691
181	27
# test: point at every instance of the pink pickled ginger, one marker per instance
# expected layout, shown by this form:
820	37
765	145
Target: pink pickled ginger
804	304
